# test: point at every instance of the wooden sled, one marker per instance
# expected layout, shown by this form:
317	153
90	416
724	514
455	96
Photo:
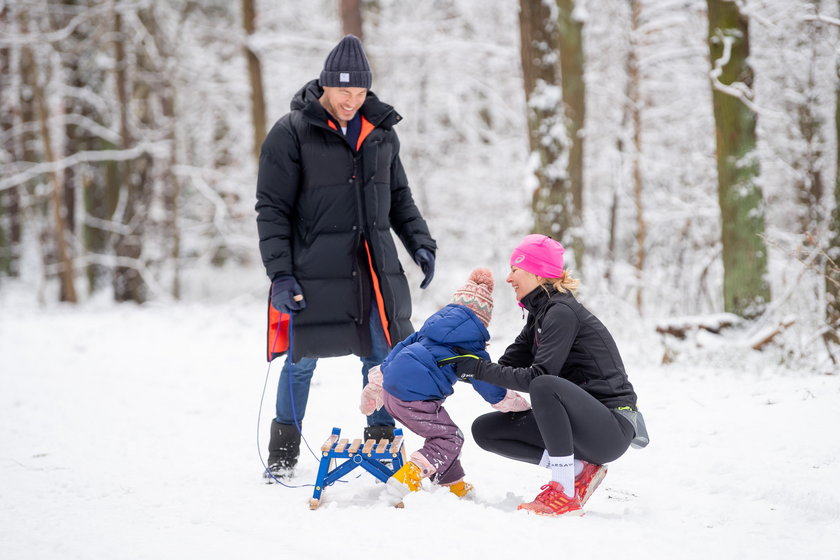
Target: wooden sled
352	455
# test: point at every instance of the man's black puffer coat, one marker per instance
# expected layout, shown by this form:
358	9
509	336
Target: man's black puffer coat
321	206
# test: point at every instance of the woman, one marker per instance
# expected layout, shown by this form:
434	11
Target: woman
583	406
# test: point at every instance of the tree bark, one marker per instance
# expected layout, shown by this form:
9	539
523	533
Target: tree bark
24	144
100	183
351	18
574	105
832	268
809	185
258	117
57	198
74	48
553	200
10	198
745	288
38	100
634	112
132	95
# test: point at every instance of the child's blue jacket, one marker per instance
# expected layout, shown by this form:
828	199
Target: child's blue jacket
411	373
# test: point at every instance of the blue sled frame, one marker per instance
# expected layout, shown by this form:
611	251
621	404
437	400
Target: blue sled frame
369	457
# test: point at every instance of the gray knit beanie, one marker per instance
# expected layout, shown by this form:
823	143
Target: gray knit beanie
346	65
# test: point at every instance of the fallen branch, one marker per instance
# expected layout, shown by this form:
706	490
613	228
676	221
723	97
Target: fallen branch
766	336
681	326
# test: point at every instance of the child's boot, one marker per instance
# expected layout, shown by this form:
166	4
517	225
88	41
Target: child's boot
406	480
554	501
460	488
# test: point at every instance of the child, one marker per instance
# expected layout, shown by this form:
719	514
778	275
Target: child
412	386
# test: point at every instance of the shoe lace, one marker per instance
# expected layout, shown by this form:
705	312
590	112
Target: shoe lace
549	496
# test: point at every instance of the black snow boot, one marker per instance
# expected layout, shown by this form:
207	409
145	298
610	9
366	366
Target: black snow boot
283	449
379	432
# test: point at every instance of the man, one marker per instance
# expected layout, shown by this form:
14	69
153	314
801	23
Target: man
330	188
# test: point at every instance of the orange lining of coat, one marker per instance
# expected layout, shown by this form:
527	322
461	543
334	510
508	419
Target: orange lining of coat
367	128
278	332
380	301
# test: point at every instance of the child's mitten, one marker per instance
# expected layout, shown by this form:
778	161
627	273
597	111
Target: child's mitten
372	393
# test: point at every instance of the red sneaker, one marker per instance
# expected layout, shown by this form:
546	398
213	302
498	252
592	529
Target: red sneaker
588	480
554	501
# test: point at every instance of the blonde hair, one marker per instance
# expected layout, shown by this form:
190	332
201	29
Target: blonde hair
563	284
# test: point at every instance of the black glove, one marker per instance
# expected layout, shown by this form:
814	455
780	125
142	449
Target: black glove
425	259
286	295
467	366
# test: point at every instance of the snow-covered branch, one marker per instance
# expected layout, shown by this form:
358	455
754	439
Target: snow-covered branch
738	90
89	125
9	39
158	292
197	180
823	18
89	156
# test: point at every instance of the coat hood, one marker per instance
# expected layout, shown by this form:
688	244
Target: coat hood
455	325
413	372
378	113
310	92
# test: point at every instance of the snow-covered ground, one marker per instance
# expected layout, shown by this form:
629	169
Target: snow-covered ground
131	432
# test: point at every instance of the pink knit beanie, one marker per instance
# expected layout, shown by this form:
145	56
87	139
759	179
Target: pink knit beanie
539	255
477	294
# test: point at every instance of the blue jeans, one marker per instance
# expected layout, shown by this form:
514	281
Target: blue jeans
291	405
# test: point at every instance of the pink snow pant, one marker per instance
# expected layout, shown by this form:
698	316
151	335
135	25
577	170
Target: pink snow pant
444	440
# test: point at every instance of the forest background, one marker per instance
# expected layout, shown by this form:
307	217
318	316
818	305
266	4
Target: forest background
685	151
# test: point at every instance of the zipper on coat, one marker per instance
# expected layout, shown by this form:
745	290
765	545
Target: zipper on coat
359	242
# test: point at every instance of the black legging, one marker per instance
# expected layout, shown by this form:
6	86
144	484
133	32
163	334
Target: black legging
564	419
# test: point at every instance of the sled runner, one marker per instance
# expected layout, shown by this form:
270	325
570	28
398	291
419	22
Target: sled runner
370	457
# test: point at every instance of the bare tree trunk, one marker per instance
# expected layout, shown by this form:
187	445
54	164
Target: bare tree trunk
57	198
77	139
633	117
164	90
100	196
119	280
810	186
9	199
24	144
255	76
832	268
553	201
99	182
135	175
351	18
745	288
574	104
59	210
171	195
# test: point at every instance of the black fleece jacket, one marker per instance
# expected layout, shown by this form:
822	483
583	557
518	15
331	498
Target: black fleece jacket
561	337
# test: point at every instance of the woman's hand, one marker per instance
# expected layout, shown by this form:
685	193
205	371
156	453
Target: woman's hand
512	402
467	366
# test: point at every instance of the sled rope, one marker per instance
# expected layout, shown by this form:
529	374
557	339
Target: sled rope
294	413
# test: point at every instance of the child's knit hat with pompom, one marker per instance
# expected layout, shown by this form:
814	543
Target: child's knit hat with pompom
477	294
